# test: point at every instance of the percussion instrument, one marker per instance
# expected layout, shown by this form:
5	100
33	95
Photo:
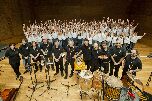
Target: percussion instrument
97	80
113	88
124	96
85	80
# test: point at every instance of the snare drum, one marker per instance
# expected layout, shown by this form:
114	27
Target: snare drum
97	80
113	88
85	80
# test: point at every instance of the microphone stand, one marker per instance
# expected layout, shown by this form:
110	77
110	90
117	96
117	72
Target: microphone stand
102	75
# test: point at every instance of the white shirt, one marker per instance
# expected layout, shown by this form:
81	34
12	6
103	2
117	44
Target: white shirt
60	37
127	40
109	38
63	37
30	38
114	39
95	37
121	40
69	35
49	36
84	35
90	40
54	35
44	36
74	35
134	39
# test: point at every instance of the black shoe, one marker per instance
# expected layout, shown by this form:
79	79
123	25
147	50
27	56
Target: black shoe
65	77
71	75
53	69
55	74
40	70
25	72
62	74
35	71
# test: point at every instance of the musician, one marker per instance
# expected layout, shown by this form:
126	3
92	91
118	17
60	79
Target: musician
70	55
57	56
24	51
117	54
35	56
104	57
86	51
45	48
95	60
14	59
132	63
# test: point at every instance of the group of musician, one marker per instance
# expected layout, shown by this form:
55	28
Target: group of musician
104	45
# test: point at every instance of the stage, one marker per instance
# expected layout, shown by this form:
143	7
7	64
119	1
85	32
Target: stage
8	79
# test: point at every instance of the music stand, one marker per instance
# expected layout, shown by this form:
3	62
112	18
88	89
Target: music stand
34	83
68	87
48	80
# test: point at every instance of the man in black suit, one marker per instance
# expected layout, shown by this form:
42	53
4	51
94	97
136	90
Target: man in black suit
117	54
14	59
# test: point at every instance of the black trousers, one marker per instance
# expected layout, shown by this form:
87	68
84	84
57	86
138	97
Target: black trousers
116	67
106	67
88	63
124	72
59	65
15	67
71	62
94	65
35	64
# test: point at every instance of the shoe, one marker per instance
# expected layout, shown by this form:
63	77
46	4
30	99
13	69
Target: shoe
53	69
71	75
62	74
65	77
25	72
35	71
40	70
55	74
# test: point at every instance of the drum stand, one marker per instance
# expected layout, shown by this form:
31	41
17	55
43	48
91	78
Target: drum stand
68	87
85	93
48	82
34	83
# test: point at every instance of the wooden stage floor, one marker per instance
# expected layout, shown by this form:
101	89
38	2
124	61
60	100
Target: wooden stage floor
8	79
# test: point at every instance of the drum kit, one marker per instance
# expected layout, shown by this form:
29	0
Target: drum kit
109	86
